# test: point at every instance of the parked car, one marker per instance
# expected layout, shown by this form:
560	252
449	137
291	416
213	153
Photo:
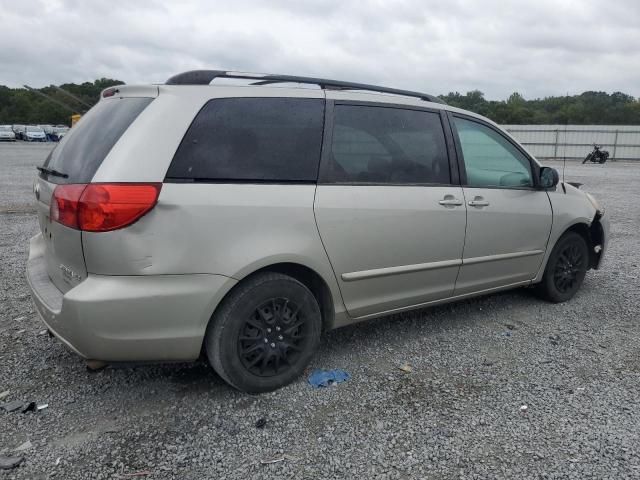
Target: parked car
33	133
19	130
6	134
59	131
243	221
48	131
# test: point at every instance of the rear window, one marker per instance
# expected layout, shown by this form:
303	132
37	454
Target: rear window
384	145
83	149
252	139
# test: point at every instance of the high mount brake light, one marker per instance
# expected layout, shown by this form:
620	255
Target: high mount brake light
110	92
102	207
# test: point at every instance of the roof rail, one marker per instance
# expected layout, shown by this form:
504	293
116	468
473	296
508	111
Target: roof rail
204	77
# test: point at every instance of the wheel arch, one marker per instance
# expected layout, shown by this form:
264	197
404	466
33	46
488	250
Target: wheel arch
303	273
313	281
591	233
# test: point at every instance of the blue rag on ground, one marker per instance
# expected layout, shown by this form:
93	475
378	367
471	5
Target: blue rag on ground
324	378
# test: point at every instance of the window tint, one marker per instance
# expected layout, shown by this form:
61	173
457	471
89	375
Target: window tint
387	145
259	139
83	149
490	159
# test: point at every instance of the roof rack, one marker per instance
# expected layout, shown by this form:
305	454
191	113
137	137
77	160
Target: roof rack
204	77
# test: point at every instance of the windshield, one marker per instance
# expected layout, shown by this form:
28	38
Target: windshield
34	129
4	129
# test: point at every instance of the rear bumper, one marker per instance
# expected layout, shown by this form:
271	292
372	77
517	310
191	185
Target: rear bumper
127	318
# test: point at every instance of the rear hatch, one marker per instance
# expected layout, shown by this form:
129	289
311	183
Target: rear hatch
75	161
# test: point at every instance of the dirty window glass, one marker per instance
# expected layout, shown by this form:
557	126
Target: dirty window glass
387	145
490	159
83	149
252	139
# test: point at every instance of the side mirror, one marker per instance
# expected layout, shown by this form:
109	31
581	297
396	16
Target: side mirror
549	177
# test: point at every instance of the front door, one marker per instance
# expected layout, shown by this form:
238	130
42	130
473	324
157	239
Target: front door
391	220
508	218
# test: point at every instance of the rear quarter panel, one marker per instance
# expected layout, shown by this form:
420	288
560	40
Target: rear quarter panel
223	229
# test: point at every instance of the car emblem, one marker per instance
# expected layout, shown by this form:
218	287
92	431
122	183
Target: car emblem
36	190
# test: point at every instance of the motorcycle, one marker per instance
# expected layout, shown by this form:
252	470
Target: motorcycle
597	155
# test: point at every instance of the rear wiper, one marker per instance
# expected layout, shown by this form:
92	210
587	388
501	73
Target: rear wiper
51	171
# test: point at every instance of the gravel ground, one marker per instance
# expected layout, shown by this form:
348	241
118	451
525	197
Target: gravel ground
458	414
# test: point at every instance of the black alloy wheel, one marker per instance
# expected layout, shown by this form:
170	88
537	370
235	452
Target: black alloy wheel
566	268
264	333
272	337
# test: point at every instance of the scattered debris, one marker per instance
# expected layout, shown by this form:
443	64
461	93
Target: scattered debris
324	378
510	327
261	422
12	406
488	363
142	473
42	406
524	408
406	368
7	463
30	407
42	332
25	446
282	458
506	334
554	339
58	460
4	394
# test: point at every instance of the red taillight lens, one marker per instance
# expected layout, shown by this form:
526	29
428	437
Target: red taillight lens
102	207
64	204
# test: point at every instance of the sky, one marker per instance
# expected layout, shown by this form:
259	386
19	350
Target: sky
536	47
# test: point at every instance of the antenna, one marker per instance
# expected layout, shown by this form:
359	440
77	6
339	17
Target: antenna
564	146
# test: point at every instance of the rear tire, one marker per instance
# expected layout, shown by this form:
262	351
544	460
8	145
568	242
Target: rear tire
565	270
264	333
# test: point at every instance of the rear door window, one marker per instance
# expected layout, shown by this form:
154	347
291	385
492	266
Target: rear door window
252	139
383	145
82	150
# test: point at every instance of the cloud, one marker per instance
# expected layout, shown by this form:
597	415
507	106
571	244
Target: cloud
536	48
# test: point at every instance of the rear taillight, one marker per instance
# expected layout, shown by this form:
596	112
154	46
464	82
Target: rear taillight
102	207
64	204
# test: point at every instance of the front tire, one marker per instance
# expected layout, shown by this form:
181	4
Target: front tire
264	333
566	269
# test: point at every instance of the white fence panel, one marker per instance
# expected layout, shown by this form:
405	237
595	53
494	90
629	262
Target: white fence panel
576	141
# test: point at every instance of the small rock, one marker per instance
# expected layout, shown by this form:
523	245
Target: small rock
12	406
25	446
261	422
4	394
7	463
524	408
406	368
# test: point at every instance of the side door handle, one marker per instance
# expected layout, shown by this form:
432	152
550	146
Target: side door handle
450	201
478	202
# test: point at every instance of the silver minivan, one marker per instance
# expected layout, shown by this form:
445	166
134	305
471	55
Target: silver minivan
241	215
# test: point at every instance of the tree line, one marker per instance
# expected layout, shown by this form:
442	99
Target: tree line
22	106
19	105
588	108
